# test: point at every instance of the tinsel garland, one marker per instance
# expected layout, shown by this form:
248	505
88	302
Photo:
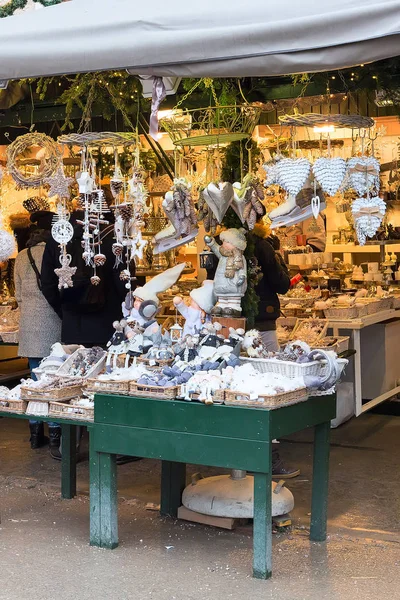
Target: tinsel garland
10	8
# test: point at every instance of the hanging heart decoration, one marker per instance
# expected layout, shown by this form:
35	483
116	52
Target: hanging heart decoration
368	214
219	198
364	173
238	203
315	206
293	173
272	173
330	173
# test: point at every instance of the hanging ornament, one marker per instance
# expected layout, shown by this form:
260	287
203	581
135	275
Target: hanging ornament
7	243
117	180
85	182
293	173
205	215
364	174
367	214
95	280
62	231
65	272
272	173
138	244
248	200
330	173
99	259
59	184
219	198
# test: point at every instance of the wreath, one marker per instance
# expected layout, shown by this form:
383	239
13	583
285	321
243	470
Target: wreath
10	8
47	167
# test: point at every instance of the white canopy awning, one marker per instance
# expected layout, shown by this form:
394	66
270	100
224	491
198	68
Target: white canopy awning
216	38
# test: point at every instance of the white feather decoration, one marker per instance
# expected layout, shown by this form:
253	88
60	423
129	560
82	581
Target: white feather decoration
368	214
330	173
293	173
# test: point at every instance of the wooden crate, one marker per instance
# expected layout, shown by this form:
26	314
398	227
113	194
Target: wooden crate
227	322
50	394
153	391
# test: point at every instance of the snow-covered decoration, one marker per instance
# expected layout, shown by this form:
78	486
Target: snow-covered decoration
293	173
368	214
364	174
330	173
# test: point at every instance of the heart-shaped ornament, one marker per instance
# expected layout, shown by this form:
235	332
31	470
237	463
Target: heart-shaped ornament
315	206
330	173
364	173
293	173
219	198
238	203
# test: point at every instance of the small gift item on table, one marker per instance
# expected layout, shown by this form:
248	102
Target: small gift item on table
10	400
85	362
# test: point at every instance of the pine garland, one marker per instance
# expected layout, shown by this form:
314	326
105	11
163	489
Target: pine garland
9	9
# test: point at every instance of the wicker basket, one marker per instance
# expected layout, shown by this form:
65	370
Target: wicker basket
342	313
386	303
10	337
152	363
63	410
218	396
396	302
140	390
269	402
13	406
94	370
97	386
340	345
50	394
298	332
283	367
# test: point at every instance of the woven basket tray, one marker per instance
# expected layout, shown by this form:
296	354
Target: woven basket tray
268	402
342	312
283	367
97	386
14	406
50	394
154	363
218	396
63	410
153	391
341	344
298	333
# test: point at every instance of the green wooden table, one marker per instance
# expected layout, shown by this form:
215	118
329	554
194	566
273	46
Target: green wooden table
179	432
68	460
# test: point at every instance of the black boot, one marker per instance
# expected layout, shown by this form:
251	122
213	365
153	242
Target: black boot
279	469
37	439
55	440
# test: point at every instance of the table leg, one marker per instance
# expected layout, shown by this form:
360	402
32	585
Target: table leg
262	526
68	461
173	482
320	484
357	371
103	500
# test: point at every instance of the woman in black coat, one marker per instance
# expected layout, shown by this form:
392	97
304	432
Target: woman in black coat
87	311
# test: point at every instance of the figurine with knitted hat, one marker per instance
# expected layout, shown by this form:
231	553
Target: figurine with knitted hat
202	301
230	281
142	304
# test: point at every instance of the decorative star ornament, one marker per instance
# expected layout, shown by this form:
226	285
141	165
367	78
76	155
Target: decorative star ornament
138	245
65	272
59	184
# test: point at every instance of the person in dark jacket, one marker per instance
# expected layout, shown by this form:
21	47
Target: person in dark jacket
275	280
87	311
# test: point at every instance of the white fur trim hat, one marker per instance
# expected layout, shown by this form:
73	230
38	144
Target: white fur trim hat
204	296
236	237
159	283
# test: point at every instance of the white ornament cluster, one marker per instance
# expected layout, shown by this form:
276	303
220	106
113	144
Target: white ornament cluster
330	172
368	214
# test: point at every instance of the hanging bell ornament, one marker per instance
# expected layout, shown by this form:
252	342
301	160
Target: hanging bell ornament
95	280
117	249
87	255
99	259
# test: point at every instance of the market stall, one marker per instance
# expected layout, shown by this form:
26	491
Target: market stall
184	345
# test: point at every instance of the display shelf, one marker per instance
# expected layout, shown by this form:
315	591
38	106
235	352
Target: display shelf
362	322
369	248
152	273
